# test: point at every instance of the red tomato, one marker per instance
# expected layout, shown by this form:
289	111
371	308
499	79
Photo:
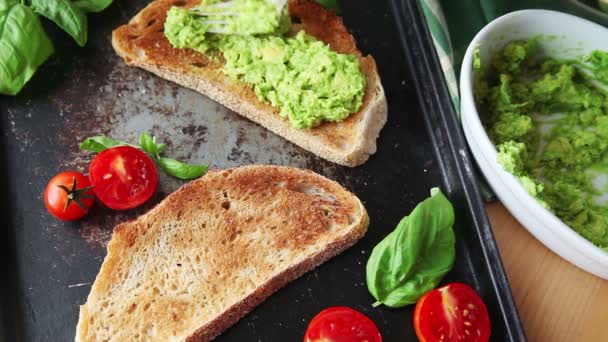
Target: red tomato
452	313
341	324
123	177
69	196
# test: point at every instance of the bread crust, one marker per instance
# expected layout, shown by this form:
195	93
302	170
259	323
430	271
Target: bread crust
327	221
142	43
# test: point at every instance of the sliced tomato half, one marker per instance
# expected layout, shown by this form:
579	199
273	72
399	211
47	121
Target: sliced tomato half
454	312
123	177
341	324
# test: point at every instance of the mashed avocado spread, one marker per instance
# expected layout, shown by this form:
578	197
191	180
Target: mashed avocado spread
549	121
300	75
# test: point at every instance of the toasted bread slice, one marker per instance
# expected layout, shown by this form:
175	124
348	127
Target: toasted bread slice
213	250
142	43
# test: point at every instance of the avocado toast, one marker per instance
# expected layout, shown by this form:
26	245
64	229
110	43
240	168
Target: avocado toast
350	142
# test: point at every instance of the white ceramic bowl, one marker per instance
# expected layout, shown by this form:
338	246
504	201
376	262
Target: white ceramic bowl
571	37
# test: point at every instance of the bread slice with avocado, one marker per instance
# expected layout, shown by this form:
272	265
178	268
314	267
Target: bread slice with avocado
215	249
143	43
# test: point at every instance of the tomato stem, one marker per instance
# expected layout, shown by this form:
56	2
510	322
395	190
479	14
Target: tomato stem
76	195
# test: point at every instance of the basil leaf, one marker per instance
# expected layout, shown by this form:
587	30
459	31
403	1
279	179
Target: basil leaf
66	15
6	5
330	5
413	259
24	45
95	6
171	166
100	143
159	147
181	170
148	144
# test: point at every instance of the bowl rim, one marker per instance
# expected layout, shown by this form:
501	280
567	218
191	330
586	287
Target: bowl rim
559	229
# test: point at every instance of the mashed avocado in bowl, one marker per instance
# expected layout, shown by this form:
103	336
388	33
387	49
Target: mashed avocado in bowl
300	75
533	111
549	121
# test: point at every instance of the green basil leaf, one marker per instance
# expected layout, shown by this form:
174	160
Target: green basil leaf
159	147
148	144
24	45
330	5
181	170
171	166
94	6
6	5
100	143
66	15
413	258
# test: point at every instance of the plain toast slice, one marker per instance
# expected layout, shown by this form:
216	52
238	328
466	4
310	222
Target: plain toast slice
213	250
142	43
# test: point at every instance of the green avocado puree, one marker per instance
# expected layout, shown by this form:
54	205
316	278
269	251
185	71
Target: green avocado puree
302	76
549	121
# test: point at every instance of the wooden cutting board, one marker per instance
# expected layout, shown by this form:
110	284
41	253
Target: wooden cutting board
556	300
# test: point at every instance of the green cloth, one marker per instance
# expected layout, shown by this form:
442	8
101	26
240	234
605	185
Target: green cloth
454	23
443	44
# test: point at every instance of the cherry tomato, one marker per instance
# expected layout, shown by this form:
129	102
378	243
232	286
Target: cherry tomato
68	196
341	324
123	177
452	313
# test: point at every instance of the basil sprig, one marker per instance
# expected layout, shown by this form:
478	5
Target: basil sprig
24	45
413	259
170	166
100	143
149	145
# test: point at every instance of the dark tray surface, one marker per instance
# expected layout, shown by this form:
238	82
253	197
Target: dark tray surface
87	91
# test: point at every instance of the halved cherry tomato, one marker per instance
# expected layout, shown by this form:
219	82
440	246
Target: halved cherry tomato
452	313
341	324
68	196
123	177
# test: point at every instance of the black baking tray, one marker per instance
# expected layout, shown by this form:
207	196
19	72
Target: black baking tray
48	266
